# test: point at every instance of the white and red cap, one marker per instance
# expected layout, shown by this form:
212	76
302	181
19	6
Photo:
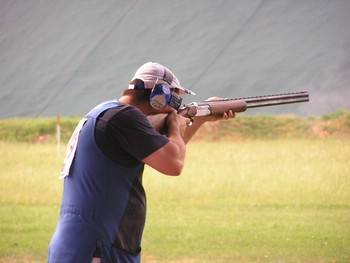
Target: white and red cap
152	73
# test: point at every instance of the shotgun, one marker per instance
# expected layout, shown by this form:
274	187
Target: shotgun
218	107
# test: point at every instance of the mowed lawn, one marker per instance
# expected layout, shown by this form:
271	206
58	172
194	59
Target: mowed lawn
236	201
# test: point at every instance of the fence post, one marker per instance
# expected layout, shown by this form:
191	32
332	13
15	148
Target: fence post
58	134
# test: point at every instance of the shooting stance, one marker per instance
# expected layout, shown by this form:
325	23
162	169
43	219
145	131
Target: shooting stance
104	205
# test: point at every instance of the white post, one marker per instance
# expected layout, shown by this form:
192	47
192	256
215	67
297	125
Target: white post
58	134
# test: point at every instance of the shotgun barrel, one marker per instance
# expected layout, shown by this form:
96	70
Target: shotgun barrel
271	100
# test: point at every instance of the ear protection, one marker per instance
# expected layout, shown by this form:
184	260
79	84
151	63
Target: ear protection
162	95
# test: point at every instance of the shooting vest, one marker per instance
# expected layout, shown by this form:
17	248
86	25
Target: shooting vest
103	204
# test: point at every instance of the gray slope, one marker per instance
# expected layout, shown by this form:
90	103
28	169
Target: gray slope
66	56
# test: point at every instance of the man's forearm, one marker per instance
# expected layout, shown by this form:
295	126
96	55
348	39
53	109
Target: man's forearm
177	136
191	130
179	147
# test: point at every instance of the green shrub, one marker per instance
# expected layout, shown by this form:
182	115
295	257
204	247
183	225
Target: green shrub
32	130
339	114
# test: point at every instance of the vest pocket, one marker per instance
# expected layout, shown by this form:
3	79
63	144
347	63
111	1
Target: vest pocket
130	230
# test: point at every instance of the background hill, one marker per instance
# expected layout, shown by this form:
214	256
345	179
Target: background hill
66	56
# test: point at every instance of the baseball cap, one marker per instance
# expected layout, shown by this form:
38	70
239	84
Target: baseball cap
152	73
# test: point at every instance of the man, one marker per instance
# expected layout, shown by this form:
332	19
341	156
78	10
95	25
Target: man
104	206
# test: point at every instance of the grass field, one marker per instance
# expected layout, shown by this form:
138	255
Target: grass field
246	201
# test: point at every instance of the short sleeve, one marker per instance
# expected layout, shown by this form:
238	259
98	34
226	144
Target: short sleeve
133	132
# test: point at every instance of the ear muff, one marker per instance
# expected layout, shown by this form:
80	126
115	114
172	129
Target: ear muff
162	95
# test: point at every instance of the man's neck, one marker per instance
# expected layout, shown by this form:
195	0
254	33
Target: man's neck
141	105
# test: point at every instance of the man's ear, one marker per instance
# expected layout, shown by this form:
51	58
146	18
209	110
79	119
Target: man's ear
139	84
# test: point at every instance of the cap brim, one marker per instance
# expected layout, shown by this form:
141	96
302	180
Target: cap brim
186	91
174	85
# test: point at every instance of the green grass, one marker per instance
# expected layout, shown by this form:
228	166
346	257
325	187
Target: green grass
236	201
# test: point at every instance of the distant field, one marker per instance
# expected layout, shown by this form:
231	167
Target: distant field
236	201
334	125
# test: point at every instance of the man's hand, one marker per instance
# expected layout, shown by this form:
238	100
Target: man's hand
176	121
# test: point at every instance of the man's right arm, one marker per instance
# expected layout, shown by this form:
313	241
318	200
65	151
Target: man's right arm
170	158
